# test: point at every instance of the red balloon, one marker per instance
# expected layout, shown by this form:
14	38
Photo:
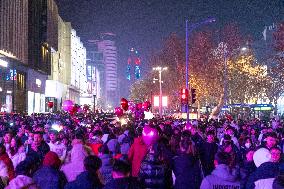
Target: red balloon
50	104
124	104
139	106
118	111
146	106
149	135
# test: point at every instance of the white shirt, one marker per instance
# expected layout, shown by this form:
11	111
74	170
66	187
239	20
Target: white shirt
59	148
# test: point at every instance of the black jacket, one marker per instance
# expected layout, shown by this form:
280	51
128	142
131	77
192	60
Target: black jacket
85	181
246	169
122	183
264	171
154	174
42	150
49	178
207	154
187	172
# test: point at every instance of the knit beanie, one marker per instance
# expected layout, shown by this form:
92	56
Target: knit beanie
261	156
51	159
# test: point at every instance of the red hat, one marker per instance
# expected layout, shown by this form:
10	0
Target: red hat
51	159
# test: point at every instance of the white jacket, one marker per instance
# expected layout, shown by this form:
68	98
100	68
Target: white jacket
59	148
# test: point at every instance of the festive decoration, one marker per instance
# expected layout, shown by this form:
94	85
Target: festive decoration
132	106
146	106
67	105
135	61
149	135
118	111
50	104
124	104
139	106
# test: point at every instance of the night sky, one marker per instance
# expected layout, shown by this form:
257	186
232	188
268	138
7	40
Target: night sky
145	23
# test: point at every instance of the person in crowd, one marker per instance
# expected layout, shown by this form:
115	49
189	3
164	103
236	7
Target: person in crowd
278	182
229	147
125	142
96	142
89	178
23	179
76	165
275	154
49	176
247	167
270	140
113	144
186	167
221	176
230	131
265	172
7	161
247	144
154	171
136	154
57	146
196	138
17	151
7	140
4	177
208	149
121	177
107	161
38	146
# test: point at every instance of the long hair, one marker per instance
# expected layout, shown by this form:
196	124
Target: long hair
187	146
15	149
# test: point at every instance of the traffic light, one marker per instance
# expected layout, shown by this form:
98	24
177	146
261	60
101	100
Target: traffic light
184	100
184	96
193	95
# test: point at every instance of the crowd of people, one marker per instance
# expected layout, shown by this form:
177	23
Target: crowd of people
90	151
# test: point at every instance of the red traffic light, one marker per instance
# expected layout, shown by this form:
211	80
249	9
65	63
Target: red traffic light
184	96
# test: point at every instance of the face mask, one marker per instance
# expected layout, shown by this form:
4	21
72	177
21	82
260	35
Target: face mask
247	145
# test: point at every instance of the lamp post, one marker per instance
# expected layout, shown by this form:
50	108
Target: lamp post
187	31
160	70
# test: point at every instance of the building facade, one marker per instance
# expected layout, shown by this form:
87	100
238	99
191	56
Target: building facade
28	35
78	84
57	84
106	45
95	74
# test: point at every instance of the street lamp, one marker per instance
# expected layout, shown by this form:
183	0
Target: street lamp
194	26
160	70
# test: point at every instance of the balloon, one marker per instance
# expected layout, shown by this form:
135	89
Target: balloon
118	111
149	135
67	105
132	107
50	104
146	106
124	104
139	106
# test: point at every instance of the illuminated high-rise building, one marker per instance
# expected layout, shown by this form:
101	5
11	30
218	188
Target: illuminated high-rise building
107	46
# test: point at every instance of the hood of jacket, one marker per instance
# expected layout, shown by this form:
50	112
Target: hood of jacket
224	172
21	181
76	166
